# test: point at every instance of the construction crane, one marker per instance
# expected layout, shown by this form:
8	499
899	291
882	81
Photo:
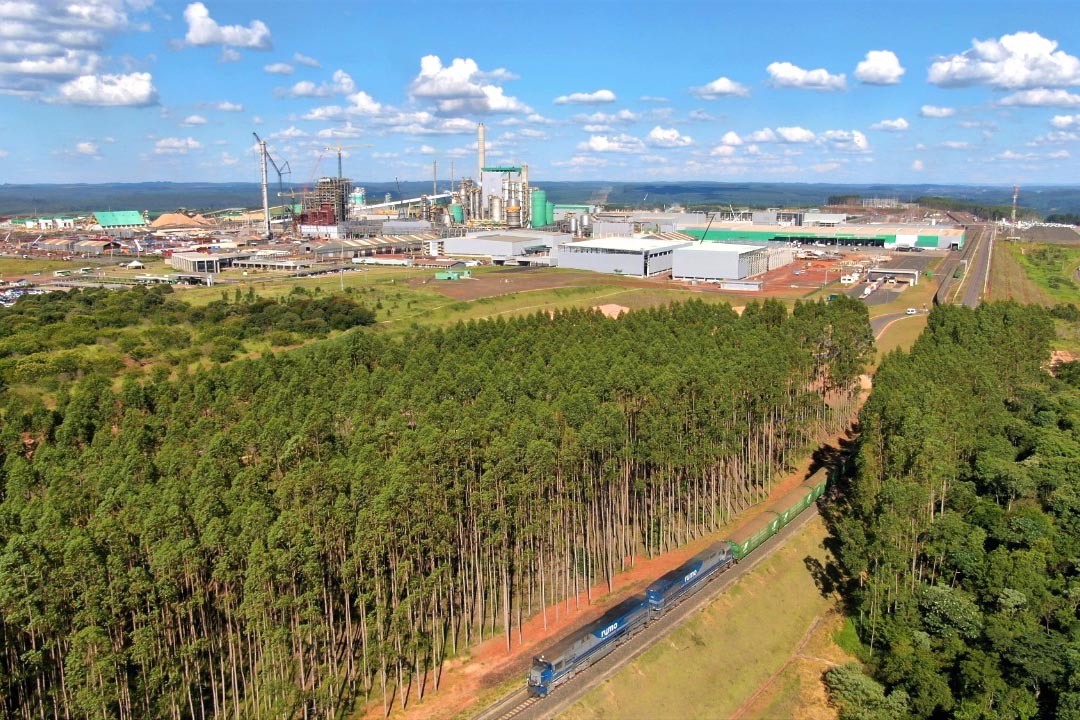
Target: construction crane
266	158
338	149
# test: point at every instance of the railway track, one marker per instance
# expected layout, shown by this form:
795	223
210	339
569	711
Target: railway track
517	704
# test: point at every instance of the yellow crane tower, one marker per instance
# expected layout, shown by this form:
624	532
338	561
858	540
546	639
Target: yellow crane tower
338	149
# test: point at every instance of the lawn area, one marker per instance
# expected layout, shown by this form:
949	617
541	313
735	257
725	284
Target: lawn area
713	665
901	333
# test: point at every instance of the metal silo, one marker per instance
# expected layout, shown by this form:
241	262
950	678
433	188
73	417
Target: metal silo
457	212
539	208
549	212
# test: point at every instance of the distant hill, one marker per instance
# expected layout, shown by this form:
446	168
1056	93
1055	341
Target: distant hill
160	197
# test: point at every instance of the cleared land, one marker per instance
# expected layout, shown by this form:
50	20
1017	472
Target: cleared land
711	665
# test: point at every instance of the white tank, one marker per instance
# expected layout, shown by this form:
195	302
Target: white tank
496	208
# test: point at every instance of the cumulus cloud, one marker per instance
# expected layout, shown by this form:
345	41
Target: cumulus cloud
176	146
132	90
1041	97
701	116
761	136
341	84
327	112
226	106
228	55
305	60
1060	154
1013	62
86	148
622	117
653	98
461	87
956	145
594	98
787	75
731	138
720	87
204	31
1063	122
722	151
846	140
279	68
580	162
794	134
622	143
881	67
897	125
193	120
47	42
597	128
290	133
917	165
363	104
934	111
668	138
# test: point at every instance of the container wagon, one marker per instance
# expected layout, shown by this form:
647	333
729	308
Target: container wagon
788	507
745	540
670	587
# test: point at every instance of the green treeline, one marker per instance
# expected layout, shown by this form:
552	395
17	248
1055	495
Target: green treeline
48	340
980	210
960	532
296	535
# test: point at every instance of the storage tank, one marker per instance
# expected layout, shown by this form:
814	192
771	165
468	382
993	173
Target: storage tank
496	208
539	208
457	212
513	216
549	213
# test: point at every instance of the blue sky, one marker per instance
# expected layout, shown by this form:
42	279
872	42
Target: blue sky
147	90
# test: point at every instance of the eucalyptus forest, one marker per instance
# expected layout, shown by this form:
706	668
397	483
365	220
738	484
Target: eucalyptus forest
959	532
304	533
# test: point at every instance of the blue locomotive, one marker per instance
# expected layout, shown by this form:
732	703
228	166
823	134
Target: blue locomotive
580	649
577	651
666	590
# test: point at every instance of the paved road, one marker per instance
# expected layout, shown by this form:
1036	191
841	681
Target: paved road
978	272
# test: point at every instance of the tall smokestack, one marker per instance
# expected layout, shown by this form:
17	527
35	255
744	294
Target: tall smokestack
482	147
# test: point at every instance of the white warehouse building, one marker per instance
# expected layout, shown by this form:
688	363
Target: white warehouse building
501	245
714	261
639	256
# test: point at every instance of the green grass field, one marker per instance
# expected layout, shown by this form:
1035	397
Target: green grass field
713	664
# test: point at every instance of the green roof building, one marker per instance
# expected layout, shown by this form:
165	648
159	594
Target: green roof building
119	219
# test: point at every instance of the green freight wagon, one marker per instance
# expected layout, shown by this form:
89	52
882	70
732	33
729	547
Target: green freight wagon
746	539
817	483
790	505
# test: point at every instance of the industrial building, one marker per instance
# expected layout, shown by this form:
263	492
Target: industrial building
118	220
884	236
639	255
715	262
500	246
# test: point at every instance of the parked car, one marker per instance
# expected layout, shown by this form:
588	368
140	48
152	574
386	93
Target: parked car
911	311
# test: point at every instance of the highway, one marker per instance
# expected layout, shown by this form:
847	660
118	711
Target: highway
978	274
520	706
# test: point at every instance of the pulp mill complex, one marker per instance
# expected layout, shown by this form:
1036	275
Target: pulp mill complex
496	217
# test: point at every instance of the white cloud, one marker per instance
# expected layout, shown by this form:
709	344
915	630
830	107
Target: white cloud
956	145
762	136
326	112
1010	155
1013	62
918	166
462	87
305	60
86	148
427	150
1055	137
622	117
785	74
593	98
1041	97
622	143
653	98
701	116
226	106
279	68
723	151
384	155
825	167
176	146
228	55
933	111
579	162
794	134
4	153
290	133
363	104
597	128
897	125
133	90
731	138
1062	122
203	31
340	84
1060	154
668	138
720	87
881	67
193	120
846	140
227	160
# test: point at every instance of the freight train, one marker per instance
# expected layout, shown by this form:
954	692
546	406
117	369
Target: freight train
584	647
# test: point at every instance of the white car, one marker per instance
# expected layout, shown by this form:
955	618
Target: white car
911	311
